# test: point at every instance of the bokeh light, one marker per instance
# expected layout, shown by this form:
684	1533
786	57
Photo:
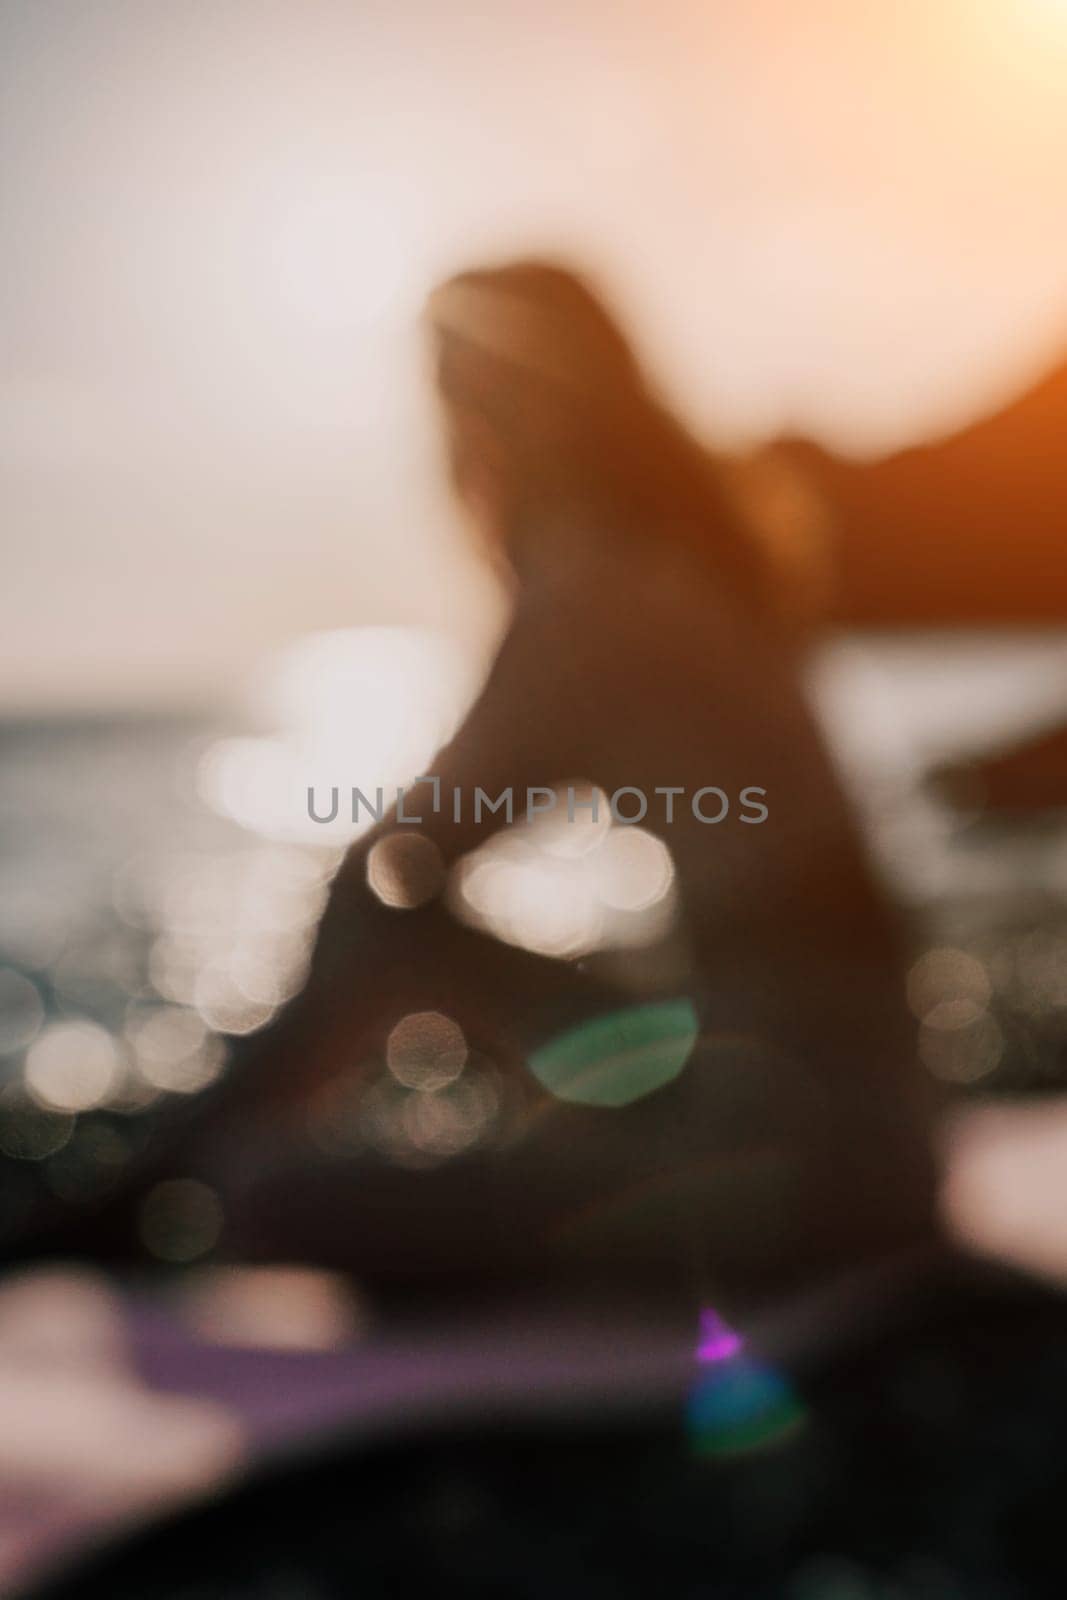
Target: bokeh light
405	869
360	708
29	1132
959	1044
947	976
72	1066
426	1050
180	1220
634	870
421	1127
565	888
173	1049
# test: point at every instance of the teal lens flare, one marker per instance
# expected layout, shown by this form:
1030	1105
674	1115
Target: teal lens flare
620	1058
742	1406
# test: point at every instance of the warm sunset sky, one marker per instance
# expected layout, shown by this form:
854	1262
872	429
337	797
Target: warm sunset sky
220	217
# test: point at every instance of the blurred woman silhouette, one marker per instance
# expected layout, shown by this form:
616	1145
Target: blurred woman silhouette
729	1101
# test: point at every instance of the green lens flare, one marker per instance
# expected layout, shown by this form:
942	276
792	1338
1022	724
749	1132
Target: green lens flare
617	1059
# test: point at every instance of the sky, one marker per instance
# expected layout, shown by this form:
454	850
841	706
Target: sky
220	220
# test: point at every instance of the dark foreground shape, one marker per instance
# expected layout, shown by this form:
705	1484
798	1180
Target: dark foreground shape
923	1459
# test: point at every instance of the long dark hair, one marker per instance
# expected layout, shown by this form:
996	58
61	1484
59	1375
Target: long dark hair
531	350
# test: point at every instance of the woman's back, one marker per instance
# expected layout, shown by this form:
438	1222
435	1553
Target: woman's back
672	1045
